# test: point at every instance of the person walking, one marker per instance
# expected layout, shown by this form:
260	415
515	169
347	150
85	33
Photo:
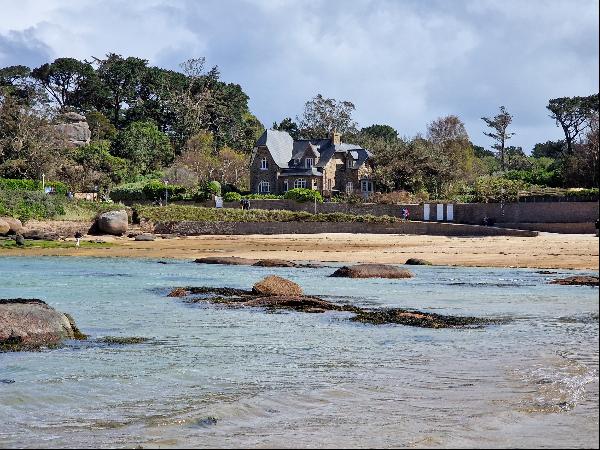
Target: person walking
78	237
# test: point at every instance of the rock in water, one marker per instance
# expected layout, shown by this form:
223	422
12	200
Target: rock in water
274	263
372	271
417	262
19	240
26	324
228	260
113	222
74	128
577	281
15	225
4	227
274	285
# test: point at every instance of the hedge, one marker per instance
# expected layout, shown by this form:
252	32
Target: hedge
304	195
11	184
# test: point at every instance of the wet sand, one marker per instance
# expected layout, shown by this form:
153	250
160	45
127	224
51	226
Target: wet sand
551	251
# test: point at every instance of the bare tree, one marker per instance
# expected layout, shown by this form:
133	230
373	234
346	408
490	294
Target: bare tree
323	115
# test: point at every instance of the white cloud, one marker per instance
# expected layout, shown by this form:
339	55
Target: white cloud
401	62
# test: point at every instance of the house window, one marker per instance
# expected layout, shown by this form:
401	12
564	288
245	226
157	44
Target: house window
350	162
366	186
264	163
309	162
264	187
285	186
315	184
329	184
349	187
300	183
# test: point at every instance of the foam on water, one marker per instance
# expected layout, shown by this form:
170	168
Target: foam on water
219	377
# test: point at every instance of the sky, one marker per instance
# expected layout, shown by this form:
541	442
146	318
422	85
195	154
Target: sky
401	62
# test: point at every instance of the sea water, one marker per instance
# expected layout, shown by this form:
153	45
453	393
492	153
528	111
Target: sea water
217	377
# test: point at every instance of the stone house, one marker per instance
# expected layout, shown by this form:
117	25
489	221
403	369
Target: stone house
330	166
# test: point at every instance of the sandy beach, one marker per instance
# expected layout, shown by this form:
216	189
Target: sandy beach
552	251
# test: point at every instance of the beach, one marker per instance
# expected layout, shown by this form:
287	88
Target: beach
546	251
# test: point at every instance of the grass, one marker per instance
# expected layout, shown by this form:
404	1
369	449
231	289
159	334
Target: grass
178	213
10	243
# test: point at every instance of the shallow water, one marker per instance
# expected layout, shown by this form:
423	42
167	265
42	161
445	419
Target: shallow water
215	377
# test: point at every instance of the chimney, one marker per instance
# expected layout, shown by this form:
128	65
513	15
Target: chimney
336	138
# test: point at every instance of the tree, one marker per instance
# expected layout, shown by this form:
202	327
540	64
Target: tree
452	152
548	149
384	132
580	168
16	81
323	115
145	146
289	126
122	78
500	134
65	80
481	152
573	114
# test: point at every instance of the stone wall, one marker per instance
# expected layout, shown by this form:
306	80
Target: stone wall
543	216
190	228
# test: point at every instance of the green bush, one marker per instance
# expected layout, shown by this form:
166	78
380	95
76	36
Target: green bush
32	185
25	205
304	195
148	190
177	213
214	187
263	197
232	197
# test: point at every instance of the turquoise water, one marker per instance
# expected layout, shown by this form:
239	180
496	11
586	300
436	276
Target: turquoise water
215	377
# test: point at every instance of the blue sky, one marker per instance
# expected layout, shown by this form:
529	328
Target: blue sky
401	62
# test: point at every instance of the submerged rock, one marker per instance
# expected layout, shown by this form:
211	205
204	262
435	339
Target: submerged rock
372	271
120	340
274	285
578	280
27	324
113	222
417	262
178	292
228	260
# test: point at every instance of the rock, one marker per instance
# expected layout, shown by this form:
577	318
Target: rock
274	285
119	340
19	240
274	263
372	271
417	262
417	319
39	235
4	227
228	260
113	222
580	280
178	292
145	237
74	128
15	225
297	303
27	324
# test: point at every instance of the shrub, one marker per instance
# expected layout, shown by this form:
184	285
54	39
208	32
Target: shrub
214	187
232	197
263	196
32	185
25	205
147	190
303	195
393	198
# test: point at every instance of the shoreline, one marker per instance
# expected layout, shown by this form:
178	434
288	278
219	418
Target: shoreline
546	251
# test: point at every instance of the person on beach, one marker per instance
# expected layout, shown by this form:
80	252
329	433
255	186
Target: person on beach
78	237
405	214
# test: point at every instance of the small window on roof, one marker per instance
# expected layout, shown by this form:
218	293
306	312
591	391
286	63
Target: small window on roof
309	162
264	163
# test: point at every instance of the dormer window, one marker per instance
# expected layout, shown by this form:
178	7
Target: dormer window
264	163
309	162
350	162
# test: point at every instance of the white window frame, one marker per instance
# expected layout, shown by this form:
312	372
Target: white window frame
264	163
286	186
315	184
349	187
309	162
262	185
300	183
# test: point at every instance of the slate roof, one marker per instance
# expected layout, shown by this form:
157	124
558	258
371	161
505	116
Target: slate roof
284	149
